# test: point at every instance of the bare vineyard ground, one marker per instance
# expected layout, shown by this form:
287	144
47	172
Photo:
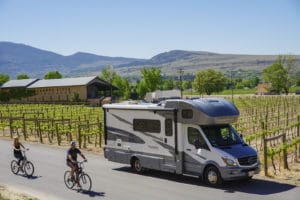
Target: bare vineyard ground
90	147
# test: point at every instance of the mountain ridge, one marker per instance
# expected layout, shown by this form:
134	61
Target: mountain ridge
20	58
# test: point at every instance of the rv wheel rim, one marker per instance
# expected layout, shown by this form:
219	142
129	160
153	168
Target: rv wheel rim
137	165
212	177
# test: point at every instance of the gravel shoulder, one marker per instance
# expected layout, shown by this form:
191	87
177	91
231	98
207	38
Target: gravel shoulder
13	194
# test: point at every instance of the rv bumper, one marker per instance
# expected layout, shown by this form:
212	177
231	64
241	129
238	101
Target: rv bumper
235	173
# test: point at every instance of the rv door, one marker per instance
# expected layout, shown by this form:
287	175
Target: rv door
195	150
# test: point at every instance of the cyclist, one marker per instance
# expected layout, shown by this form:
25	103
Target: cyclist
17	149
72	158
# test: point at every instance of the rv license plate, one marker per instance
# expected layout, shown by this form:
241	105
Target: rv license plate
250	173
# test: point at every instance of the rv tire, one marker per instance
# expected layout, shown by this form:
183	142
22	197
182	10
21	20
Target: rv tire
212	176
136	165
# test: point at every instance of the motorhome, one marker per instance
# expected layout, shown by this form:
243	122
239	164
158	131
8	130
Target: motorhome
190	137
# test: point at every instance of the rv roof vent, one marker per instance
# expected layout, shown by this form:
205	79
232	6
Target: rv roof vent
213	101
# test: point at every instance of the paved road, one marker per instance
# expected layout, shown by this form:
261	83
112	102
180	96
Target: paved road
117	182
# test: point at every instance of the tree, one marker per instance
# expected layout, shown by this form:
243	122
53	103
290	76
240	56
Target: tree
151	81
22	76
209	81
141	89
168	84
123	87
277	75
53	75
298	78
3	78
187	85
152	78
108	74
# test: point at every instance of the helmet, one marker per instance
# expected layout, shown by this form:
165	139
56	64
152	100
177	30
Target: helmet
16	137
73	142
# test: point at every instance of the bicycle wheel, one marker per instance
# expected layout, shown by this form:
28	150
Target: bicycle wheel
14	167
68	180
28	168
85	182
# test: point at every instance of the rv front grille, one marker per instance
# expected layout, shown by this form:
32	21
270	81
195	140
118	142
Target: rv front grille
249	160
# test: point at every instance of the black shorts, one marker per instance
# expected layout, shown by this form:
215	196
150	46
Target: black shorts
72	165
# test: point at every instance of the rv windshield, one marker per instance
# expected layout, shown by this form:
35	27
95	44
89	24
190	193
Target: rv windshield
221	135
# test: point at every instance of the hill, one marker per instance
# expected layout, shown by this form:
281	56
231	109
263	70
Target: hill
20	58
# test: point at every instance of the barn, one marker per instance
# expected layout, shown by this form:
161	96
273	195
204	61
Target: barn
83	89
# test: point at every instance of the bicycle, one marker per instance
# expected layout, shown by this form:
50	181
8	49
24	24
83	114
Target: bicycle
82	179
25	166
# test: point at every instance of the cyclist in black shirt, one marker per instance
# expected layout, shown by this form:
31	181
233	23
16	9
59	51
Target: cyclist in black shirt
72	157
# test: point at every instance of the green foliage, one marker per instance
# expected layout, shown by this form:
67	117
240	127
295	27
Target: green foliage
152	78
3	78
17	93
108	74
123	87
186	85
277	76
75	97
209	81
282	73
142	89
297	79
167	84
4	96
298	82
22	76
53	75
150	82
284	146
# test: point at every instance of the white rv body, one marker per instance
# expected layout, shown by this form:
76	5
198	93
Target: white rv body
179	136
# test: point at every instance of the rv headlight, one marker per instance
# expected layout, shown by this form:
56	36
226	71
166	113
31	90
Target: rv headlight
229	162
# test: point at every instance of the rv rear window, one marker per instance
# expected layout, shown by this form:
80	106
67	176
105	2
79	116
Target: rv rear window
187	113
146	125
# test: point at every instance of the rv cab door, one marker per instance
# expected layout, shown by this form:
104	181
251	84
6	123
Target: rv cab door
195	151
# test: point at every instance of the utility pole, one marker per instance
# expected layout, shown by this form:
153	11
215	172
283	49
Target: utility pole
231	86
180	79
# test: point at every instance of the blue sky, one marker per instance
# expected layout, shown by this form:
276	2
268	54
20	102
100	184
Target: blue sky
144	28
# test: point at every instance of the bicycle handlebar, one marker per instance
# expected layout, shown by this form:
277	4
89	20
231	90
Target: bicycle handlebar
81	162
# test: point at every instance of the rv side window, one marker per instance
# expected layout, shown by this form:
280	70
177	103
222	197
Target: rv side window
168	127
146	125
187	113
193	135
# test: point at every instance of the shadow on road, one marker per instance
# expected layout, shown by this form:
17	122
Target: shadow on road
29	177
91	193
254	186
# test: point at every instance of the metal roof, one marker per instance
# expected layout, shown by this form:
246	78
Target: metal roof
63	82
18	83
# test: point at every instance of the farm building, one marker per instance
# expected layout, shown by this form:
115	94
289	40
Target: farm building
18	84
86	89
263	89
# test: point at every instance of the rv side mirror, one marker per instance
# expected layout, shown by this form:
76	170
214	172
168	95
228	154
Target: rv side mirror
241	136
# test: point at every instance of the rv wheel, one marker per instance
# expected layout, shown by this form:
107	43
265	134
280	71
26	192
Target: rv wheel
212	176
136	165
